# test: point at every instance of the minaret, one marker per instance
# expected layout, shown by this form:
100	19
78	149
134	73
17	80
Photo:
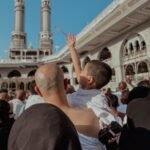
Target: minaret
18	35
45	34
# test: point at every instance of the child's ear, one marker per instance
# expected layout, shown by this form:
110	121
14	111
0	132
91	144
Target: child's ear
91	80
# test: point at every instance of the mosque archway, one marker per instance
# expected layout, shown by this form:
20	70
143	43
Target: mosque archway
31	73
142	67
14	73
64	69
4	85
105	54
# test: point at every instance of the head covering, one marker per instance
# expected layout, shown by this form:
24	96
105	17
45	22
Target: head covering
138	113
5	124
136	134
43	127
4	111
138	92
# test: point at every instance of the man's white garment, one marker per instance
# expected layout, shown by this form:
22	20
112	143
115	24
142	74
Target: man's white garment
94	100
17	107
122	107
32	100
90	143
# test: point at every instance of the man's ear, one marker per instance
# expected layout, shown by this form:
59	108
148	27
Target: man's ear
37	90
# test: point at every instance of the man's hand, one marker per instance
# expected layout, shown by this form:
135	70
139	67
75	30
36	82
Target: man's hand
71	41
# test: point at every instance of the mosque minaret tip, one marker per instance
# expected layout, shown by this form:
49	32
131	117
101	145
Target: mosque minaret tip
19	35
45	34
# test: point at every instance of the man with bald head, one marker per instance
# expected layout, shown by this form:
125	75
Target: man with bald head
17	104
50	85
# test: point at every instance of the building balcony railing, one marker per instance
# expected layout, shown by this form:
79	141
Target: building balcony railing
15	79
9	61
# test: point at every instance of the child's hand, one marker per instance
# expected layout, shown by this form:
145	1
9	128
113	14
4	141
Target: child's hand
71	40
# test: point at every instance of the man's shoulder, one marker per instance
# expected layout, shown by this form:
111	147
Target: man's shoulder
85	115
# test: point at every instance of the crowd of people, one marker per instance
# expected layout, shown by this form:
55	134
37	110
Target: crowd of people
53	115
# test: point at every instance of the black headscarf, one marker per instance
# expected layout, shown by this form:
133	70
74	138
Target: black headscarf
138	92
136	134
43	127
5	124
4	111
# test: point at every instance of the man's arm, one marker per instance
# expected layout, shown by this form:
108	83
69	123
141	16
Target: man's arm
75	58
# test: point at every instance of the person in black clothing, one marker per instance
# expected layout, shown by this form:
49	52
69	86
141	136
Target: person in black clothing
5	124
135	134
43	127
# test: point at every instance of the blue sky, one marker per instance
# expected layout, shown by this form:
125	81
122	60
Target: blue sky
69	15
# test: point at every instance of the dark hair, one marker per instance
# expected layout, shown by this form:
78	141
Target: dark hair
145	83
32	86
3	91
101	71
138	92
43	126
113	101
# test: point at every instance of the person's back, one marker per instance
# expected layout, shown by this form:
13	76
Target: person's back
49	80
43	127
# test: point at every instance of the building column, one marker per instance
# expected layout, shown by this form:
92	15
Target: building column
119	73
45	34
18	35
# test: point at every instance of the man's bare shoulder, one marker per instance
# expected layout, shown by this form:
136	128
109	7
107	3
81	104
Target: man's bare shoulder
85	121
83	113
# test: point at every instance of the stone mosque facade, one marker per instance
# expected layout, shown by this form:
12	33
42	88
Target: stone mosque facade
119	36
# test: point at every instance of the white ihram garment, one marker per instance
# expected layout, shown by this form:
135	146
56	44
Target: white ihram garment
90	143
33	99
94	100
17	107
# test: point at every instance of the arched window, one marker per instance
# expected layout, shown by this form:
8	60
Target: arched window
21	86
143	45
85	61
4	85
137	45
12	85
64	69
142	67
14	73
31	73
129	70
28	85
126	52
105	54
131	47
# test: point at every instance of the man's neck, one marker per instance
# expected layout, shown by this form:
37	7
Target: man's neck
58	100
